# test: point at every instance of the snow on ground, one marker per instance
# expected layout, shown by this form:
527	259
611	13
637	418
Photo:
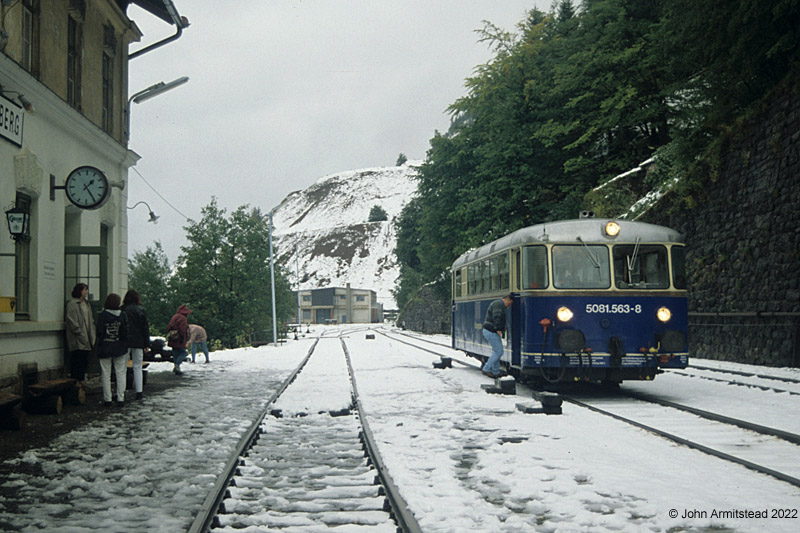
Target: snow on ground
149	466
468	461
465	460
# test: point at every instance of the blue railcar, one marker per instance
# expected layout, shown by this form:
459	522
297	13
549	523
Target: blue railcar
594	300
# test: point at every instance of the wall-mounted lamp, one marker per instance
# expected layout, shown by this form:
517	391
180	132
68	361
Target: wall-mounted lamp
19	222
153	217
24	102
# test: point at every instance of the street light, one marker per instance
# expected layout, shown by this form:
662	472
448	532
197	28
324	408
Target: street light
146	94
153	216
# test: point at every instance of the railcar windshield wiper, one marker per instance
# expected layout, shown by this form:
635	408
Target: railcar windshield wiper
588	252
631	259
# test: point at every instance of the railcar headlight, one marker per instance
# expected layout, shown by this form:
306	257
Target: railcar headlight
612	229
664	314
564	314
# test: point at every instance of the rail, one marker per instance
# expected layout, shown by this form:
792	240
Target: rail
208	510
405	519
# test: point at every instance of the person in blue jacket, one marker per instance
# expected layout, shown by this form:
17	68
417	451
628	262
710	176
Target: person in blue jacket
112	348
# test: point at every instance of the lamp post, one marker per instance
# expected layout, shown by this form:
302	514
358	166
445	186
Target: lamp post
146	94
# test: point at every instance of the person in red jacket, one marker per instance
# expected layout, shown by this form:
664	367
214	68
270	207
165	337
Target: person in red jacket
177	335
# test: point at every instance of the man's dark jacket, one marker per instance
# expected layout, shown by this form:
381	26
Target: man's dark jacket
495	320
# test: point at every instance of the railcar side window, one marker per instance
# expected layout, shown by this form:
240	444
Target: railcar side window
679	267
485	276
640	266
457	283
581	267
472	279
500	272
534	269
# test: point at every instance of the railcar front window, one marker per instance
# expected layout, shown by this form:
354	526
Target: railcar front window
679	267
534	270
457	283
641	266
581	267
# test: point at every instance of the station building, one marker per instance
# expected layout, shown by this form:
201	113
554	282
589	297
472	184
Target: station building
342	305
63	108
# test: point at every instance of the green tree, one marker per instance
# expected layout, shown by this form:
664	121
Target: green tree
223	275
377	214
576	96
401	160
149	275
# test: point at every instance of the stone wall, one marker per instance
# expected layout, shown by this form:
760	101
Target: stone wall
428	312
743	242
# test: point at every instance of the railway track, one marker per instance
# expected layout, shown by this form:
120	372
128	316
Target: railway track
309	462
725	437
760	381
746	374
767	450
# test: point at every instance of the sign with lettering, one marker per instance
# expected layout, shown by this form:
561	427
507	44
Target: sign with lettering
49	270
11	118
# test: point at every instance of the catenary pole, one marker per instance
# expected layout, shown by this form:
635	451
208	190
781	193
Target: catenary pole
272	280
297	268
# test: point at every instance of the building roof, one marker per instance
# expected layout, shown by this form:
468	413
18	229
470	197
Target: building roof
163	9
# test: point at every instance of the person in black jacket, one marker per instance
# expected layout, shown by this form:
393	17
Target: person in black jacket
493	327
138	335
112	348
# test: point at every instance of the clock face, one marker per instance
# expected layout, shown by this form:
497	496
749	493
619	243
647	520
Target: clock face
87	187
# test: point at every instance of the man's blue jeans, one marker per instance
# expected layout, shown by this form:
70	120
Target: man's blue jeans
494	340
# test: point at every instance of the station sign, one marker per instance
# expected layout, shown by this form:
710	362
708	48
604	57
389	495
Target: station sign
11	118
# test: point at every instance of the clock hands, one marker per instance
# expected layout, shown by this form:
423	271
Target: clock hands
86	188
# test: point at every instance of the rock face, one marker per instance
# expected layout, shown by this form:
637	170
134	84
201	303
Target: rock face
743	243
324	231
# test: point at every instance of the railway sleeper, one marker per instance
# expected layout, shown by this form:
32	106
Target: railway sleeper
279	520
320	505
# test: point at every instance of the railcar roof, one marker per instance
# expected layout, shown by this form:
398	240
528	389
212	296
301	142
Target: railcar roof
588	230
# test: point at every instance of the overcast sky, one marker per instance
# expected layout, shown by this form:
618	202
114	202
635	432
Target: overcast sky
284	92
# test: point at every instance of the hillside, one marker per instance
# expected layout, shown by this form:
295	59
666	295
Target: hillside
328	225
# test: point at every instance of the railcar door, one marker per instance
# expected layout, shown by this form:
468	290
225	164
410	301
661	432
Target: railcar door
514	330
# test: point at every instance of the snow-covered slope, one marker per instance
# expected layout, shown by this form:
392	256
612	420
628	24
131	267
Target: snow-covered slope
328	223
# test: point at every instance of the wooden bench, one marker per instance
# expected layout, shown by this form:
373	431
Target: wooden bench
47	397
11	414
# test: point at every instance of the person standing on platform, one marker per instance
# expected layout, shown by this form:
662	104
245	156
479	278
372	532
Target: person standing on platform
177	337
138	336
493	327
198	338
80	331
112	348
